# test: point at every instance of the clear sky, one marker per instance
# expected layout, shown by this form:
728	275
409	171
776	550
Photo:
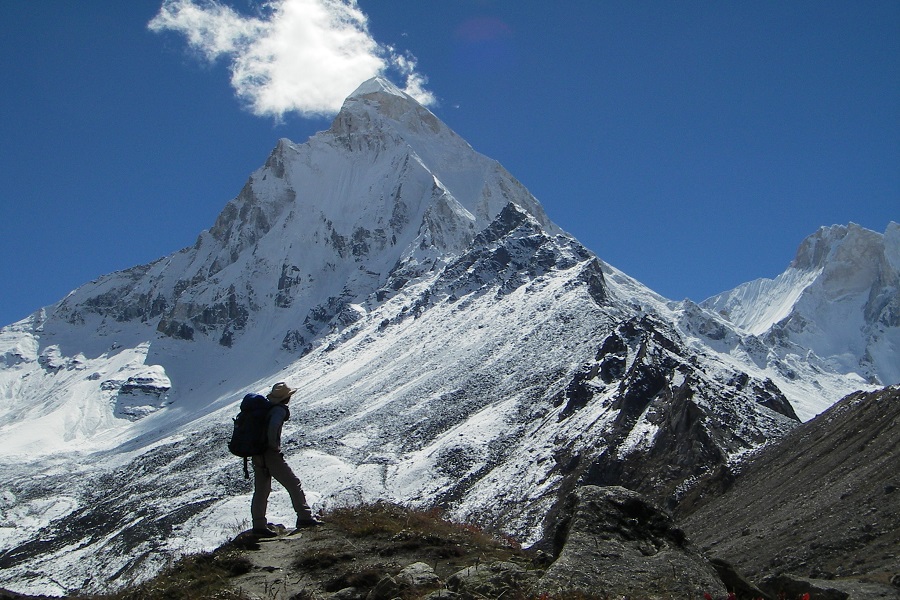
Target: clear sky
692	145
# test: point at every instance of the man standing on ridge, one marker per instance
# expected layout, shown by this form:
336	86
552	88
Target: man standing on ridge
272	464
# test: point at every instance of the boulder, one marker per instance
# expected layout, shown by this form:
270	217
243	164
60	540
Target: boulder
411	579
498	579
418	575
612	541
350	593
386	589
736	582
791	586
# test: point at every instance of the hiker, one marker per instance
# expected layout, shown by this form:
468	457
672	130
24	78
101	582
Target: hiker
272	464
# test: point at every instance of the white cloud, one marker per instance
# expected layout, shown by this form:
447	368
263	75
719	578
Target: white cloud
415	81
301	56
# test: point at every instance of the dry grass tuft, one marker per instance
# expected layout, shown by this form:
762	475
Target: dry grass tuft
195	577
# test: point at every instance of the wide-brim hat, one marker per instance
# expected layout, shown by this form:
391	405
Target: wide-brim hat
280	392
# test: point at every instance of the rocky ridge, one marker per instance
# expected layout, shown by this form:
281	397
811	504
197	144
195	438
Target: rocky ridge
609	542
821	503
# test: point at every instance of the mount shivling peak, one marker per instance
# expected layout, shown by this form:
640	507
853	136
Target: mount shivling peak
450	346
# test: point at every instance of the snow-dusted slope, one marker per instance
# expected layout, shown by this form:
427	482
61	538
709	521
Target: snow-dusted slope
489	386
451	346
839	300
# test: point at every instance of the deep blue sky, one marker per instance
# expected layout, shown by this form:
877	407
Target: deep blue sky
691	144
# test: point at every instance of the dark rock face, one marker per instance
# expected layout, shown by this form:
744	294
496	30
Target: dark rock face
513	251
612	541
290	277
656	384
137	397
735	582
822	502
787	586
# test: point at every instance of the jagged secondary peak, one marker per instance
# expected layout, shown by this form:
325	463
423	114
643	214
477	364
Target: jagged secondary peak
839	299
851	259
845	243
832	263
892	244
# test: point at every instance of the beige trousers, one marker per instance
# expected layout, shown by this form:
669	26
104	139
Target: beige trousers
265	467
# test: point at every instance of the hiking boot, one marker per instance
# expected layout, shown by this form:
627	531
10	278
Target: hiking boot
263	532
305	522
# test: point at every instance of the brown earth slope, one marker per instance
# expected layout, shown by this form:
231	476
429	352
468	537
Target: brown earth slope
822	502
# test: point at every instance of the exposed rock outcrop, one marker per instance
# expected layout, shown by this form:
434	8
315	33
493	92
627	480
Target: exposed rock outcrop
612	541
787	586
676	421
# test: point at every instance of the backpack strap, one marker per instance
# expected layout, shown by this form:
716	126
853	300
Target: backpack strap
246	471
287	411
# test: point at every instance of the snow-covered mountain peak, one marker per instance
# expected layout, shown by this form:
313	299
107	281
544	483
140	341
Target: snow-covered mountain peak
839	299
849	257
377	99
380	119
319	226
377	85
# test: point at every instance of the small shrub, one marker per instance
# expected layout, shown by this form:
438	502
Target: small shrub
380	518
234	565
411	529
321	559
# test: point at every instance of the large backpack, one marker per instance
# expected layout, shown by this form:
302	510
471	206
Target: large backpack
249	436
